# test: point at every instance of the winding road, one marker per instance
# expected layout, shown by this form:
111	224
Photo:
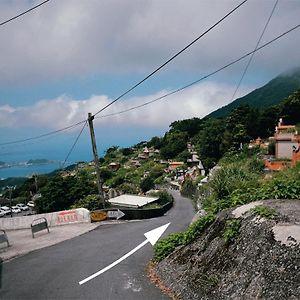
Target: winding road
54	272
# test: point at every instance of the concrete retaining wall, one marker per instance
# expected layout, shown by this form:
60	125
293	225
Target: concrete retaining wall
79	215
139	213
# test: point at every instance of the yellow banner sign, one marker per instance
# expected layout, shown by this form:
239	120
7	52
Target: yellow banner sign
98	215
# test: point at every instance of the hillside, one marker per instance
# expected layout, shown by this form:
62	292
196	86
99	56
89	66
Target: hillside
268	95
260	260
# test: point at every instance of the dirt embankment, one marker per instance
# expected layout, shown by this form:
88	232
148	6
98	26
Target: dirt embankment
261	262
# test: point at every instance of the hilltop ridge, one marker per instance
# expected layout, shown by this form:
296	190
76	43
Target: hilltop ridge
268	95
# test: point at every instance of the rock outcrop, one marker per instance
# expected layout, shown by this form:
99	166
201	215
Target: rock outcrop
261	262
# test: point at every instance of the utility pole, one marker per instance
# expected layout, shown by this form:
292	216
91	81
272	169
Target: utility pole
96	159
10	189
36	183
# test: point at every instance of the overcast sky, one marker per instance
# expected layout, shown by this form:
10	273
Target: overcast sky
71	57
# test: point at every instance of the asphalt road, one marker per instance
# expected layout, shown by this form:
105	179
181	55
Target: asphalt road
54	272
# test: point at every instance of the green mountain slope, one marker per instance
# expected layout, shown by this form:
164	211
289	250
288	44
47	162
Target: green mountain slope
270	94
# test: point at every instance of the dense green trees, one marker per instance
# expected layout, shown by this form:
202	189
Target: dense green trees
60	193
174	143
209	142
290	108
190	126
147	184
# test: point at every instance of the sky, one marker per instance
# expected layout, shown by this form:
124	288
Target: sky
71	57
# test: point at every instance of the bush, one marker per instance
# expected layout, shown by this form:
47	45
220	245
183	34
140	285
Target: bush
164	197
167	245
189	188
128	188
264	212
90	202
232	230
147	184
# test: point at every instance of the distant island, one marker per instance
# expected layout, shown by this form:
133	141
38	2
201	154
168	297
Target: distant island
38	161
30	162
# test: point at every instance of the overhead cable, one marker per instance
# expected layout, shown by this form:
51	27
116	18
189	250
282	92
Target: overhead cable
164	96
43	135
74	144
24	12
251	57
202	78
172	58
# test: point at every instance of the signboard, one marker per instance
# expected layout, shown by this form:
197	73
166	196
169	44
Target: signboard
98	215
67	217
115	214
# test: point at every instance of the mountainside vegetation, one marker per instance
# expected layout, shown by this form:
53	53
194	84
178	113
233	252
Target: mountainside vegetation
213	137
129	171
270	94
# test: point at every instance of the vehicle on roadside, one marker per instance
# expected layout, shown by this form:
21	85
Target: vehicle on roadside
22	206
30	204
15	209
6	209
2	213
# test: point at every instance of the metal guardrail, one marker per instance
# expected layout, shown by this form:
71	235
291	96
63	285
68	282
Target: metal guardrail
3	237
41	225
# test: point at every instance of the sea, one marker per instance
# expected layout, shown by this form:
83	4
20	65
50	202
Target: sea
28	171
57	150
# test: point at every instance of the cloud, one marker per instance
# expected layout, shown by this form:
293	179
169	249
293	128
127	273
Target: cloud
78	38
62	111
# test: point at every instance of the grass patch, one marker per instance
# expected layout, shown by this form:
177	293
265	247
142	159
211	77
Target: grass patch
167	245
264	212
232	230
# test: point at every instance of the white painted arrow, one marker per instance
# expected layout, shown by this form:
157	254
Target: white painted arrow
151	236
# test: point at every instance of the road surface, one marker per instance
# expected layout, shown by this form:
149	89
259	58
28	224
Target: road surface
54	272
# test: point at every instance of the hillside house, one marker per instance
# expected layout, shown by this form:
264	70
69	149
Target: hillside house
287	143
286	139
175	164
114	166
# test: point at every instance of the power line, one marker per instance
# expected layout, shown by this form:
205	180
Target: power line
161	97
170	59
74	144
204	77
43	135
251	57
24	12
136	85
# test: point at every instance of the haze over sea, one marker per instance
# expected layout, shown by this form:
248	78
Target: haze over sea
57	150
19	158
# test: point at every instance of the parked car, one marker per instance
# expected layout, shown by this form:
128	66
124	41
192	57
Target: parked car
15	209
6	209
2	213
30	204
22	206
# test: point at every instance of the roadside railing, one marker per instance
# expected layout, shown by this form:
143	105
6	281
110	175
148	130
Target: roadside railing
3	237
38	225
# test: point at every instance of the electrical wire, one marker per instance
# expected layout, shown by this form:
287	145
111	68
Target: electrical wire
251	57
170	59
74	144
136	85
161	97
24	12
43	135
204	77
